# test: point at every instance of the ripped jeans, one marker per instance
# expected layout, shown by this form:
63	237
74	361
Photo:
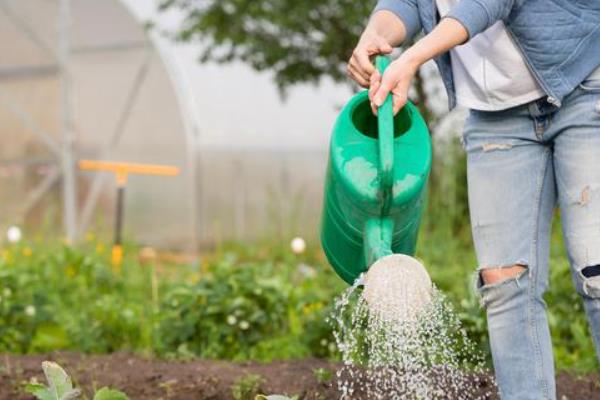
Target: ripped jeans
521	162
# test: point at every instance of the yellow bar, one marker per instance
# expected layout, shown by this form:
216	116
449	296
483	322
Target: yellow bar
117	258
128	168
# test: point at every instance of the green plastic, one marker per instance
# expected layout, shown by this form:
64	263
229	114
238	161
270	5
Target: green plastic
375	184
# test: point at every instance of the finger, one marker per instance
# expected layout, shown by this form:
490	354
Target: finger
357	68
384	89
364	62
399	101
357	77
373	108
373	89
384	47
399	97
375	77
374	82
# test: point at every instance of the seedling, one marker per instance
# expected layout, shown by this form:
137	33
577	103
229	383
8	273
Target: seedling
60	386
246	387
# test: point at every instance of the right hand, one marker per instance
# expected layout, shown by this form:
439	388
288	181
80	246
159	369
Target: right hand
360	67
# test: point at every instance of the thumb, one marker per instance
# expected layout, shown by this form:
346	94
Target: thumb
384	47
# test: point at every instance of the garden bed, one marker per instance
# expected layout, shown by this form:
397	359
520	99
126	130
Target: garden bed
202	379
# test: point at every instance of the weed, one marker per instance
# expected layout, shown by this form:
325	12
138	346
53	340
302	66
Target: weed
322	375
247	387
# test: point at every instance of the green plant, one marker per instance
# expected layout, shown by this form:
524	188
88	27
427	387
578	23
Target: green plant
248	300
110	394
322	375
247	387
60	386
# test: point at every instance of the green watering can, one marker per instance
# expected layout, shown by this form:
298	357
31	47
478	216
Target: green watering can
375	185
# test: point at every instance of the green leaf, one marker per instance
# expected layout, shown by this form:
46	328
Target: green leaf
60	386
110	394
40	391
71	395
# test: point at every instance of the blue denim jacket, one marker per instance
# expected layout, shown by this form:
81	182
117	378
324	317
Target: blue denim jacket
559	39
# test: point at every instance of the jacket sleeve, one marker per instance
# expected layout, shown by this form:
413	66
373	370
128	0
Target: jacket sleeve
478	15
406	10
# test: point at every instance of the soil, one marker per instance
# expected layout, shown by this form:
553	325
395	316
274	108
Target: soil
151	379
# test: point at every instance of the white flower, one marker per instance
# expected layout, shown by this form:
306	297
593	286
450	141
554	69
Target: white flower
13	234
244	325
231	320
30	311
298	245
307	270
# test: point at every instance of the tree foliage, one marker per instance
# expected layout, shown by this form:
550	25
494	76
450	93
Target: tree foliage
299	41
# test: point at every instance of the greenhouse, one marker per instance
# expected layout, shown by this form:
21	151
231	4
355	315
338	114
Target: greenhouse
77	86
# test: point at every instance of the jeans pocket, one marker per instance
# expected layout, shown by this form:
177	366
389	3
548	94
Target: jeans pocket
590	85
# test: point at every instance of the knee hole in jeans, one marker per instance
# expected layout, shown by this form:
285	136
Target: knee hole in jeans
591	281
496	275
590	272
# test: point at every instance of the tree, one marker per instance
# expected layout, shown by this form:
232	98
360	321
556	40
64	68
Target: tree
299	41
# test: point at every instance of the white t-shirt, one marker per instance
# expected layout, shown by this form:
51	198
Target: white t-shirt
489	70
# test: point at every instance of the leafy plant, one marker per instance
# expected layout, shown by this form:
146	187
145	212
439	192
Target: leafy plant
60	386
247	387
322	375
110	394
248	300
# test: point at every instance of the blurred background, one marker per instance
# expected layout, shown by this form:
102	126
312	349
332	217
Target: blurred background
120	80
241	95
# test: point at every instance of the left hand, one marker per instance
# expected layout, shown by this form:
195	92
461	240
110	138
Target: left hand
396	79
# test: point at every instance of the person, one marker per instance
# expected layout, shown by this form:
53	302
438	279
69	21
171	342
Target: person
528	71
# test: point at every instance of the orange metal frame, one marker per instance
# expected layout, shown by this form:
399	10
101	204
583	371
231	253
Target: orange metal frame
122	170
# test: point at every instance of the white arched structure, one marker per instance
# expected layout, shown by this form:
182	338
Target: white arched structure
83	79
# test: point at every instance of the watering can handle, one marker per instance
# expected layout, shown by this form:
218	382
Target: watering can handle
385	127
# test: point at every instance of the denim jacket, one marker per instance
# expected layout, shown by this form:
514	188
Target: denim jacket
559	39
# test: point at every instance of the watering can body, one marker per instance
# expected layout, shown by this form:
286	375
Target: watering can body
374	191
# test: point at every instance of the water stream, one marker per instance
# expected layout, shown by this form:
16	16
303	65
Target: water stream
427	356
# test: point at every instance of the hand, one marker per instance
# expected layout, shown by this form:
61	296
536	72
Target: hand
396	79
360	67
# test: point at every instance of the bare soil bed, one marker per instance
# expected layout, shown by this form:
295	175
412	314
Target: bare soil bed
151	379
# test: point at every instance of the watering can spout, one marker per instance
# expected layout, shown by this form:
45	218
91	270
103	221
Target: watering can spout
375	184
377	239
